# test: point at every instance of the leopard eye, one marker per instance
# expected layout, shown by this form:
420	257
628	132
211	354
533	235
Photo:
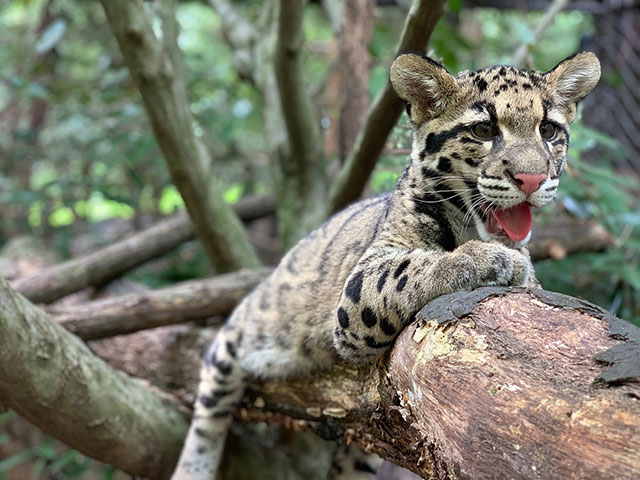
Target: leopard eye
548	130
485	130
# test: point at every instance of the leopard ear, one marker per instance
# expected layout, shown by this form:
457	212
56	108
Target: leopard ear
574	78
424	83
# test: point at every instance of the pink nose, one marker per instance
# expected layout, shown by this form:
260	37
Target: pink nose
529	182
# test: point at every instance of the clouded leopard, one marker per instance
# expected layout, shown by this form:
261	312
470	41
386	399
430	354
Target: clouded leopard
487	147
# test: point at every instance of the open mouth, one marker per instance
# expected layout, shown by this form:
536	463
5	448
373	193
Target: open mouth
515	221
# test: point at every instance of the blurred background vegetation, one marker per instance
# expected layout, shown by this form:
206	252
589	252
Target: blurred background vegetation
80	168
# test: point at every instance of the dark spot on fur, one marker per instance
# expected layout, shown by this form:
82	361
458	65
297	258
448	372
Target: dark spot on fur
369	317
225	368
401	283
201	450
401	268
231	348
346	343
373	343
386	327
480	83
354	287
527	86
343	318
382	280
470	140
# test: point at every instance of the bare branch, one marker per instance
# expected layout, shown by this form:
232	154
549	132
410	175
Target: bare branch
520	57
165	98
111	262
53	380
192	300
384	112
296	106
240	35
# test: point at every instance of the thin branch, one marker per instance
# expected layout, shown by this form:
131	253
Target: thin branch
384	113
112	261
240	35
166	102
187	301
519	58
296	106
52	379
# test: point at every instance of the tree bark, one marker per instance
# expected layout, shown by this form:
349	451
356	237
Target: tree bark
53	380
521	384
187	301
157	71
111	262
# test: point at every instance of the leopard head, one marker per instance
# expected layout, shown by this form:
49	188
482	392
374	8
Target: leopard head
492	142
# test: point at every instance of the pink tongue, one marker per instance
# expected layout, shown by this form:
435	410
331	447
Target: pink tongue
516	221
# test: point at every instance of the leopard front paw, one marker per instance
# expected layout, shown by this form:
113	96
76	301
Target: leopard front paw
495	264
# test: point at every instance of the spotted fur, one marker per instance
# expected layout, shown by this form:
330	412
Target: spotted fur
347	289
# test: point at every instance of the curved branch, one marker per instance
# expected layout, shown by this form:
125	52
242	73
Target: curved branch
384	113
164	93
53	380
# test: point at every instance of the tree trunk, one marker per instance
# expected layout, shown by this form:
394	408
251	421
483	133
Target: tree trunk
494	383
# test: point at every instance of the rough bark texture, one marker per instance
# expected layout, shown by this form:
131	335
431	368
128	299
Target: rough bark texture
157	71
487	384
384	113
193	300
53	380
111	262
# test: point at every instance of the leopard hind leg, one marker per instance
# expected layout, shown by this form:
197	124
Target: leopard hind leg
222	384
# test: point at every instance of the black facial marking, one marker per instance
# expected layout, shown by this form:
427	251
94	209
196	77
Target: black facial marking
444	165
497	187
371	342
527	86
429	172
201	450
354	287
386	327
456	155
401	283
425	206
471	162
470	140
401	268
343	318
382	280
368	317
435	141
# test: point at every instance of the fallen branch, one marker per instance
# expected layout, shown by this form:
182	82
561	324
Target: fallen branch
488	384
111	262
187	301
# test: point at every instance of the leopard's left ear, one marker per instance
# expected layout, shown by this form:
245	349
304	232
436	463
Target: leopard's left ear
574	78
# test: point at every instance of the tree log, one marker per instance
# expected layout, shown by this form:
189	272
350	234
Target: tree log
187	301
522	384
110	262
